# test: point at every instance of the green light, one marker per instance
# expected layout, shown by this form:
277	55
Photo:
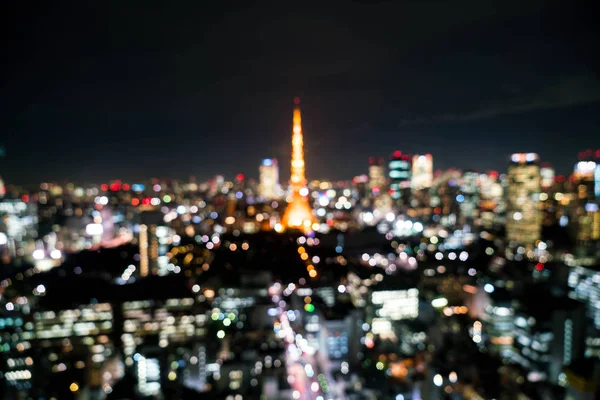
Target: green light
214	316
309	307
166	198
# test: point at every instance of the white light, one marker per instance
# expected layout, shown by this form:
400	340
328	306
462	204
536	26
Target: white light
314	386
399	397
221	334
296	394
463	256
517	216
38	254
3	239
489	288
453	377
438	380
55	254
41	289
367	217
181	210
441	302
94	229
342	289
390	217
196	288
303	192
418	227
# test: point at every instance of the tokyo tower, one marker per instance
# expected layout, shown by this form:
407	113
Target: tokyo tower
298	214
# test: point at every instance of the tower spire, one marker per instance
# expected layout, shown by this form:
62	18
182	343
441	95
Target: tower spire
298	214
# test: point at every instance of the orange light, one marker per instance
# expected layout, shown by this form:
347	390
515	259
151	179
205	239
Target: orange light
135	202
312	273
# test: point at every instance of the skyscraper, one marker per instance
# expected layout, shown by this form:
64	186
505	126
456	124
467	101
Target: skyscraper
524	217
298	214
422	172
268	187
400	173
376	175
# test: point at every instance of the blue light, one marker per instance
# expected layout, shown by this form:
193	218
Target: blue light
138	187
460	198
563	221
267	162
591	207
489	288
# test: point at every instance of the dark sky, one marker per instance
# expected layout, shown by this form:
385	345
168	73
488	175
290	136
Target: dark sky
97	90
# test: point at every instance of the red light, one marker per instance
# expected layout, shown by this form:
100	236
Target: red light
405	157
329	222
240	177
371	160
494	174
115	187
397	153
126	186
560	178
104	187
135	202
597	153
539	266
146	201
25	198
391	191
437	210
296	100
375	189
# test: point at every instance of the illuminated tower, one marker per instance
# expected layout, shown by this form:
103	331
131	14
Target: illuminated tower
298	214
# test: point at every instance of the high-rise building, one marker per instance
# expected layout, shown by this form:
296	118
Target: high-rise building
524	217
422	172
269	188
469	196
298	214
400	173
547	173
376	175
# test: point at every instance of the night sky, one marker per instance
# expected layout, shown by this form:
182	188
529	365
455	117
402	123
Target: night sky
98	90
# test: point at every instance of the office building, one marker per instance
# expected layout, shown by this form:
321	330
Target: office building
422	172
268	188
524	217
400	174
376	175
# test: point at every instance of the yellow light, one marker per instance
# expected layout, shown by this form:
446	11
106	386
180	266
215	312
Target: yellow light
301	250
310	267
278	228
74	387
172	376
312	273
229	220
209	293
304	256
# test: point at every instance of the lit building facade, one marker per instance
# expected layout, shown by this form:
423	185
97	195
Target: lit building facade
298	214
400	174
376	175
422	172
524	217
269	188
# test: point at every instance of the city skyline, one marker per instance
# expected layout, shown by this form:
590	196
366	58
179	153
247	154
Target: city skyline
147	98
